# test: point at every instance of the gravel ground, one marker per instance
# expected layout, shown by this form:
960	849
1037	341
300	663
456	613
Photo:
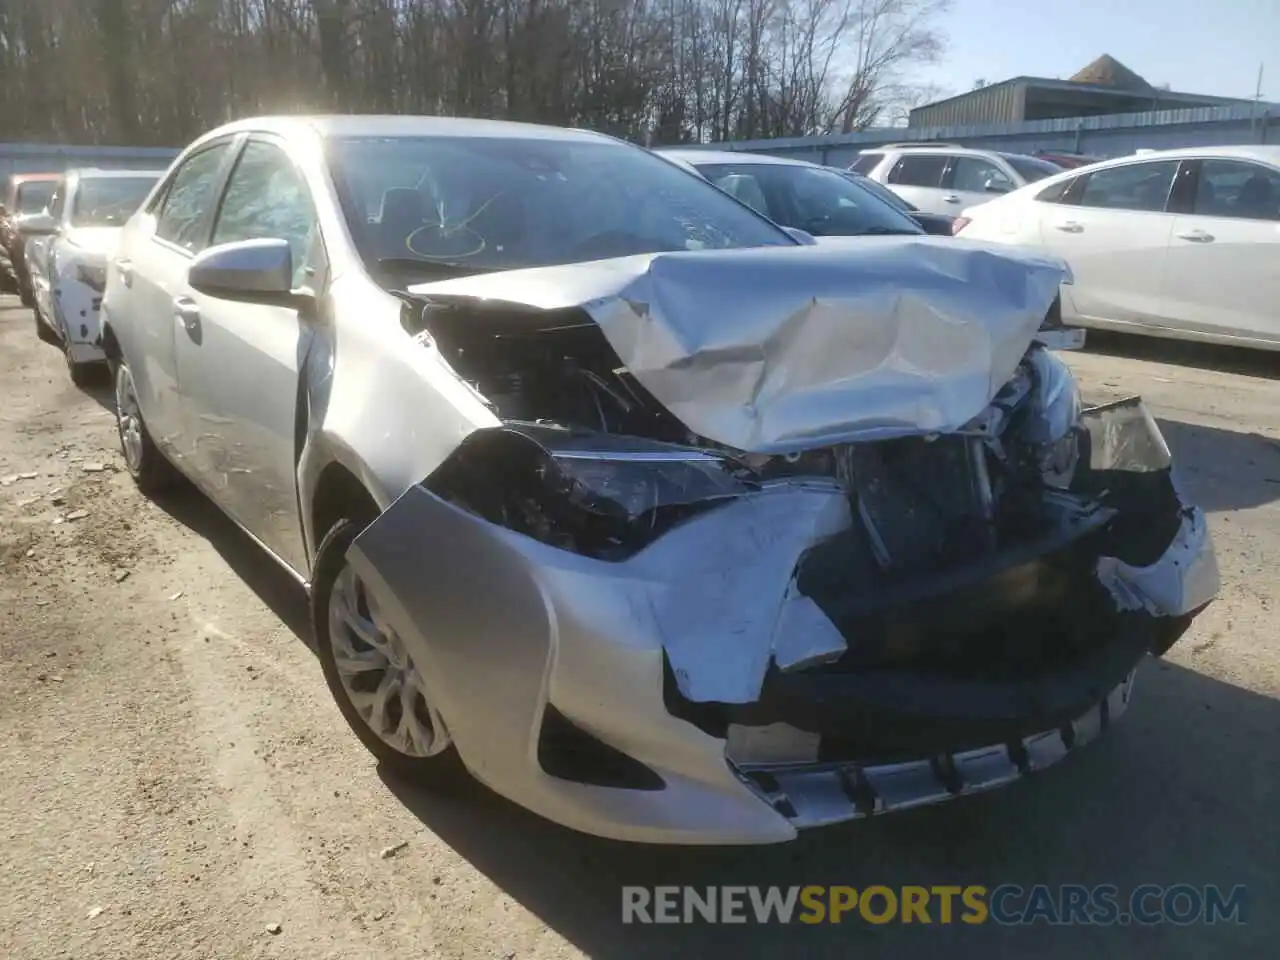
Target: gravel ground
177	783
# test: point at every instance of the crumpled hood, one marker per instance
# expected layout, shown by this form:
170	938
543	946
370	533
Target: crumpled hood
95	241
771	350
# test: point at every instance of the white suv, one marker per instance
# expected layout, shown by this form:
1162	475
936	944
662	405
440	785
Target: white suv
946	178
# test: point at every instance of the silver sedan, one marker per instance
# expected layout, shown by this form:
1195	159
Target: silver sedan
616	496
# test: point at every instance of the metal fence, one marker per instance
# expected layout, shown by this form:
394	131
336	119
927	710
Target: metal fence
1106	136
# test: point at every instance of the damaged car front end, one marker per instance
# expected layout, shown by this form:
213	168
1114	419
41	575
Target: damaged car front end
766	539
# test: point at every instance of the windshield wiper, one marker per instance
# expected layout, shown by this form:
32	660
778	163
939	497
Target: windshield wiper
438	269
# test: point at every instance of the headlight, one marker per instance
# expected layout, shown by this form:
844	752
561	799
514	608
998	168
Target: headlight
93	275
632	484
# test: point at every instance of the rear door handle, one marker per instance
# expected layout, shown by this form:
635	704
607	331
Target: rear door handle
1195	236
126	271
186	310
950	198
1069	226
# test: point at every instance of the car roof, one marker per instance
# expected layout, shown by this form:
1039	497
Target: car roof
1269	153
18	178
96	173
933	148
696	156
373	125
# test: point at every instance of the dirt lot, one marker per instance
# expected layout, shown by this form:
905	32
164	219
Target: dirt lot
175	782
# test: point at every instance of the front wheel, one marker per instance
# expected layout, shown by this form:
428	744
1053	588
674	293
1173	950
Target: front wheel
151	472
371	674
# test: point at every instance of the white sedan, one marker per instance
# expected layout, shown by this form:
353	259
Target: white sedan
1174	243
67	256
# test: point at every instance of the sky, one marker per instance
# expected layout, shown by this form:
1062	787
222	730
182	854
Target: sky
1195	46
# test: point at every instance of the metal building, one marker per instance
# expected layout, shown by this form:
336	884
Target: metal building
1104	87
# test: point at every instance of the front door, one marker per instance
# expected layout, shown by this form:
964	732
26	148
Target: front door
1112	229
239	363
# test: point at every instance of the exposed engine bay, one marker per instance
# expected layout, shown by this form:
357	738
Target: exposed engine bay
590	461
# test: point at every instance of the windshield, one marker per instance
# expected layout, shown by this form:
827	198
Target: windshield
108	201
424	207
34	195
819	201
1031	169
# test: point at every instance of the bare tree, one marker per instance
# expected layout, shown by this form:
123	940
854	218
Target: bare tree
162	71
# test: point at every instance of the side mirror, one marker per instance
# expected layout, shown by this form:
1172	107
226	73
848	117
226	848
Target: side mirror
38	225
997	186
252	271
801	236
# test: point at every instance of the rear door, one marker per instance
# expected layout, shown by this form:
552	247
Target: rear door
916	177
239	362
1112	228
1222	273
152	264
970	181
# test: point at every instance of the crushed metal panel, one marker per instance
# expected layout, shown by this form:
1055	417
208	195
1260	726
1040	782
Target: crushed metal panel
1185	578
775	350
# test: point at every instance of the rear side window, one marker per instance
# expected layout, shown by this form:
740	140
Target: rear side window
975	175
1055	192
1237	189
1135	186
914	170
189	197
866	162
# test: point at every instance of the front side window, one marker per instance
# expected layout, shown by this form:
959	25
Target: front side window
58	200
189	197
1237	189
821	202
976	175
866	162
266	198
34	196
424	207
1055	191
108	201
1134	186
915	170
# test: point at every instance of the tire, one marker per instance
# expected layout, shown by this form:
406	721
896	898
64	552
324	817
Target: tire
44	331
150	471
438	765
81	374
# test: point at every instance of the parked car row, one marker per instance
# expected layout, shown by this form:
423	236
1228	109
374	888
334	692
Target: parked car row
615	489
61	252
1174	243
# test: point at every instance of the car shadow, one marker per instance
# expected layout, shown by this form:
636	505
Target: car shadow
273	585
1185	353
1223	470
1183	790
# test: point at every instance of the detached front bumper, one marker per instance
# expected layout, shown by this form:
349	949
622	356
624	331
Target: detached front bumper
734	682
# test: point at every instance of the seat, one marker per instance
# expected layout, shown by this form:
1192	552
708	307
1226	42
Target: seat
745	189
1257	198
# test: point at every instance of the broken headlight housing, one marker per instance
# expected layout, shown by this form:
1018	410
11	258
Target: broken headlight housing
636	483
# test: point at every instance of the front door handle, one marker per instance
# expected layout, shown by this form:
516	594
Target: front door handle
186	310
1069	226
125	267
1195	236
951	198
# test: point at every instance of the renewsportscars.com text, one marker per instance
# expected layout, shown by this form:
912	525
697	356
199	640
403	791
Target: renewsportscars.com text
1006	904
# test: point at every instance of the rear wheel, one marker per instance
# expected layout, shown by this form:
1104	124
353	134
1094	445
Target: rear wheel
371	674
146	464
